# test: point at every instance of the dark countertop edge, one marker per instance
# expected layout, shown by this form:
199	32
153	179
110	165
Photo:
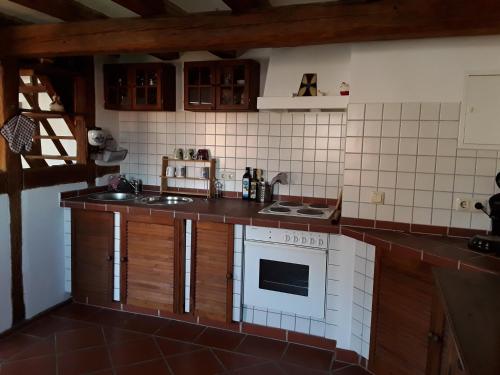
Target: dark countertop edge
451	309
462	258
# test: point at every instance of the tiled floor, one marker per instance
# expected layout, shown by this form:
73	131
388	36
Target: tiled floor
78	339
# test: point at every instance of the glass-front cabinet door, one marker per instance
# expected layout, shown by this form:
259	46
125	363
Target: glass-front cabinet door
199	81
118	93
147	94
233	85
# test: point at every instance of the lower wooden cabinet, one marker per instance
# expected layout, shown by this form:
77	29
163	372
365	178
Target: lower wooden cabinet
152	262
406	329
92	256
212	271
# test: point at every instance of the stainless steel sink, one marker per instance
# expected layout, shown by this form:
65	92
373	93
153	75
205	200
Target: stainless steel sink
166	200
112	196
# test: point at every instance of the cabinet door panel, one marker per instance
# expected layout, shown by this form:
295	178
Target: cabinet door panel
403	316
150	265
92	256
213	254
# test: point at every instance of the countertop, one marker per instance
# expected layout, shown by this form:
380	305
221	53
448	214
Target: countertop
437	250
472	305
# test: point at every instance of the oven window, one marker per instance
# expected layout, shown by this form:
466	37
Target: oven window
284	277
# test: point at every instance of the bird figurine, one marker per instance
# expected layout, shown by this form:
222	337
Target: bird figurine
56	104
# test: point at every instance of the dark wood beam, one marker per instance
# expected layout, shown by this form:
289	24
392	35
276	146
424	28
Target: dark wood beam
9	85
66	10
167	56
151	8
287	26
240	6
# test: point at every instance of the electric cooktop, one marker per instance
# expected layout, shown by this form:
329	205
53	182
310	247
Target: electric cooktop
299	209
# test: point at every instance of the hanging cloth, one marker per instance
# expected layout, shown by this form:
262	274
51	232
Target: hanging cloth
19	132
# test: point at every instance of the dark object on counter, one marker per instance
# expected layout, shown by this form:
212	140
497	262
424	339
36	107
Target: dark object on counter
485	244
494	212
245	184
253	185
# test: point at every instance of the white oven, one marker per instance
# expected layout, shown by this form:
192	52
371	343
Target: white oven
285	270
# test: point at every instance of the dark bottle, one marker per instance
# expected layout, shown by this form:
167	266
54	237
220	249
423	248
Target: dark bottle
245	184
253	185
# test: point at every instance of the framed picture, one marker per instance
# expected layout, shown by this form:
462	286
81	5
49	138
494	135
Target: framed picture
309	85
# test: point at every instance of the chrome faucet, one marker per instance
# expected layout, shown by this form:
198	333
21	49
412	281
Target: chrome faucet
120	183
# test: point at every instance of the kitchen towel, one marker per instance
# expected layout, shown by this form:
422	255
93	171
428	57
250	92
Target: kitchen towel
18	132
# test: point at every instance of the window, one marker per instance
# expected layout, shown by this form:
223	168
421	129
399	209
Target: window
55	139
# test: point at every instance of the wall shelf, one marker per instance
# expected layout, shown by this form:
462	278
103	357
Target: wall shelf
332	103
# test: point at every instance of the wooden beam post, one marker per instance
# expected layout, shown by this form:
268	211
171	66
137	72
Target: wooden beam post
274	27
9	102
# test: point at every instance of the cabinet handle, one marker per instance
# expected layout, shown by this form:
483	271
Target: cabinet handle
109	258
124	259
229	276
433	337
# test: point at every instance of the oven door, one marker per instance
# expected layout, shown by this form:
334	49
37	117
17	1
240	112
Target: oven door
285	278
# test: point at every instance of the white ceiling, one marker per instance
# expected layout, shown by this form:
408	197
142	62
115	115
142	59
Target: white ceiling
113	10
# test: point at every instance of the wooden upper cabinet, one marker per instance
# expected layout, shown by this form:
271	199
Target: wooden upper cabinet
212	270
139	87
151	263
92	256
221	85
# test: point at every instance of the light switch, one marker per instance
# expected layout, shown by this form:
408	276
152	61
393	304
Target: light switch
377	197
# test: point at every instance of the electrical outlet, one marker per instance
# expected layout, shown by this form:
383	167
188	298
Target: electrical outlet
226	175
377	197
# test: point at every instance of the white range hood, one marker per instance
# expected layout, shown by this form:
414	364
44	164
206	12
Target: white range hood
303	103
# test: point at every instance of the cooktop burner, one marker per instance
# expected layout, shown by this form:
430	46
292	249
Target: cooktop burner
279	209
318	205
303	210
310	212
290	204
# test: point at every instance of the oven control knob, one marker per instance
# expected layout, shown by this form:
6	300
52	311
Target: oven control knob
295	239
304	240
320	242
287	238
312	241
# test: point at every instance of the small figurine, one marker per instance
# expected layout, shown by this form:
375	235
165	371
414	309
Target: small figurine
56	104
344	89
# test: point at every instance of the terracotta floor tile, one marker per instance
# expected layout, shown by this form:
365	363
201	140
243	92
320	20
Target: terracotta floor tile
41	348
115	335
351	370
157	367
83	361
76	311
171	347
269	368
38	366
219	338
262	347
79	339
290	369
14	344
200	362
126	353
145	324
308	357
233	361
49	325
338	365
111	318
180	331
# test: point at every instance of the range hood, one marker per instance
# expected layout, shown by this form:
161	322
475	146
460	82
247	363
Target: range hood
303	103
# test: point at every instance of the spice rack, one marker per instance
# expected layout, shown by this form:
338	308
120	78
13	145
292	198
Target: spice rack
208	192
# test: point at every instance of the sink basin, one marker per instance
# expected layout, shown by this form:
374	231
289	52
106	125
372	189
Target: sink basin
166	200
112	197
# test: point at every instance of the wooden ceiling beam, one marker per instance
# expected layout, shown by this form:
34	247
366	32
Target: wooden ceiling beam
66	10
151	8
287	26
240	6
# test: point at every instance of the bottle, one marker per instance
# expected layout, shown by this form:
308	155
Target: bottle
245	184
253	185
